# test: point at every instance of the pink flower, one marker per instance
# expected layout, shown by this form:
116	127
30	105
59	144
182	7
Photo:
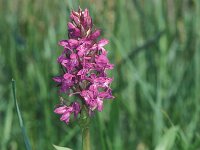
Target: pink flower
66	111
84	63
92	100
69	44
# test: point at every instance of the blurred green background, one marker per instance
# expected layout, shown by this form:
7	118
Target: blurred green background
155	46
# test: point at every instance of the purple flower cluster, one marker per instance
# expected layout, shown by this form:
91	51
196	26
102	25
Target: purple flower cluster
84	63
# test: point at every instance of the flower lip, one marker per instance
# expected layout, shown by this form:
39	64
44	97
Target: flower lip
103	42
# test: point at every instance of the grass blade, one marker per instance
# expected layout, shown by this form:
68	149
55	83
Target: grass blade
168	139
61	148
25	137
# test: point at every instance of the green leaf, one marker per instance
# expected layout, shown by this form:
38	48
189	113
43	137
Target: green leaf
61	148
168	139
26	139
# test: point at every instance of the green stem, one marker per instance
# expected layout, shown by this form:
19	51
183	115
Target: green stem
84	123
86	138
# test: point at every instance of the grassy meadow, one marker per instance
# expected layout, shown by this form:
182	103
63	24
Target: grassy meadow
155	46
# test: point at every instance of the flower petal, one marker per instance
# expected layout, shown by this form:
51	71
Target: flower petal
103	42
60	110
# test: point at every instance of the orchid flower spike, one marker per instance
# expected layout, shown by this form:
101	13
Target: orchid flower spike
84	64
